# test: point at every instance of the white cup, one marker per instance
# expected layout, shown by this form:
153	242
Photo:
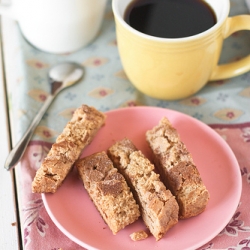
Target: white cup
57	26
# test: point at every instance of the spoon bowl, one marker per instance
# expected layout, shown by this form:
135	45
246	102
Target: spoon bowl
61	76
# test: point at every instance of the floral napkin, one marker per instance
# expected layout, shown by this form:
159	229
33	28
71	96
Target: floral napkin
39	231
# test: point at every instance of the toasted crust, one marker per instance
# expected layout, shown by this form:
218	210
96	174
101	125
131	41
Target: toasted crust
108	190
158	206
77	134
177	169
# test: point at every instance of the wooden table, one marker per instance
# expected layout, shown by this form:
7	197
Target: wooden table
9	230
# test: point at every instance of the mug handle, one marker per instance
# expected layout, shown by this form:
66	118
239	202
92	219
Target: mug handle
228	70
8	11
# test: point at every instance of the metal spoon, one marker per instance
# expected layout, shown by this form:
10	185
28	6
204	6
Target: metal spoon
61	76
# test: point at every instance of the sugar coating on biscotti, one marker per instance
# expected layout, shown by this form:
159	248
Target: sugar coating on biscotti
77	134
108	190
158	206
177	169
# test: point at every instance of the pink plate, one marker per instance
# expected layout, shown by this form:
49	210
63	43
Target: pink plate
74	214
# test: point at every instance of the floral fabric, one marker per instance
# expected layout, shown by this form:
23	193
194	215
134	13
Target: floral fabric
39	230
106	86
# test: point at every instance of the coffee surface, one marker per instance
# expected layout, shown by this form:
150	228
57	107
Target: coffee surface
170	18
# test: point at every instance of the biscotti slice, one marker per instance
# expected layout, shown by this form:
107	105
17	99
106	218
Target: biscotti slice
77	134
158	206
177	169
108	190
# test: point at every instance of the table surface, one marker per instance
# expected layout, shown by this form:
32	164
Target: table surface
224	105
8	219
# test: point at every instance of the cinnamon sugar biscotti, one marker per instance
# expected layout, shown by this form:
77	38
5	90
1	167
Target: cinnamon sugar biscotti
177	169
77	134
108	190
158	206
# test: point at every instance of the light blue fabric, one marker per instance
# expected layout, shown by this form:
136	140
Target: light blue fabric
213	98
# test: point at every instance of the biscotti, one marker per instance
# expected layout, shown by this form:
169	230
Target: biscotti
177	169
108	190
158	206
77	134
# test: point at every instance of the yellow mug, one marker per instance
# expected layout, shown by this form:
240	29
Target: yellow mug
175	68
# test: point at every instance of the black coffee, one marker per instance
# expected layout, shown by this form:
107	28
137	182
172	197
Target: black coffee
170	18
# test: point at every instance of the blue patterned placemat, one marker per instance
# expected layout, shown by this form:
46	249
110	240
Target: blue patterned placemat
106	87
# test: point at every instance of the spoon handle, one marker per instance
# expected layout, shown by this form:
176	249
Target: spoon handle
17	152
